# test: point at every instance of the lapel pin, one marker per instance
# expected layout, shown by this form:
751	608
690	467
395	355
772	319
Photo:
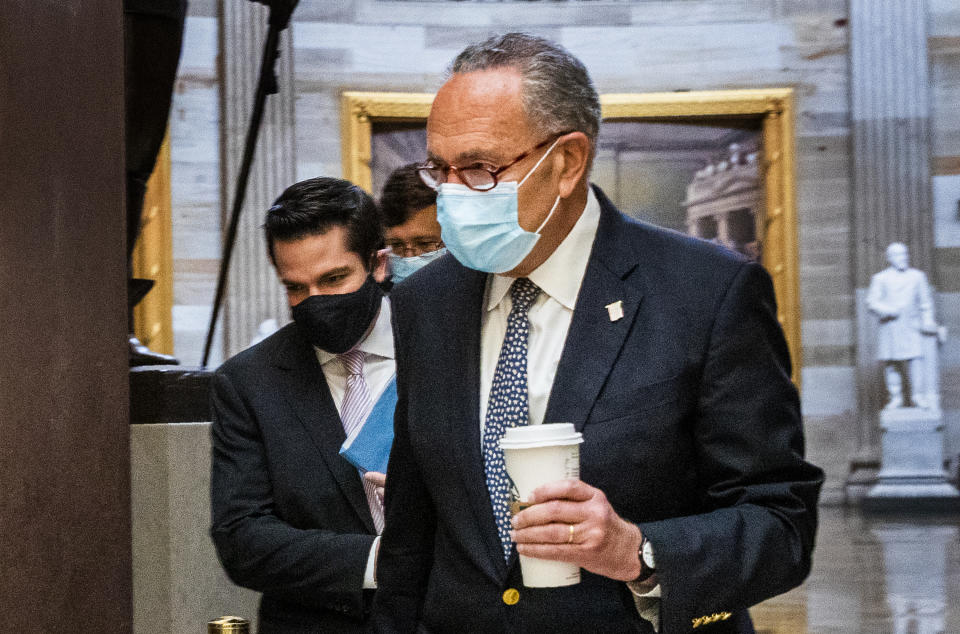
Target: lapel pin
615	310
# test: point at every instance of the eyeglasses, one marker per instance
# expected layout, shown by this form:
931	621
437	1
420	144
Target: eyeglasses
417	247
479	177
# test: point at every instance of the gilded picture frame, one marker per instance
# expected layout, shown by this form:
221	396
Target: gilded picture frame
767	113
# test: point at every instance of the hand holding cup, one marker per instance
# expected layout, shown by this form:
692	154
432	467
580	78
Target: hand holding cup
535	455
571	521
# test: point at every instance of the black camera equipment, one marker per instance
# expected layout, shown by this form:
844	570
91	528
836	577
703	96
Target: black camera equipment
280	13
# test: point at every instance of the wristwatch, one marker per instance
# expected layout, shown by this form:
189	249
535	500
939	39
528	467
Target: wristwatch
648	564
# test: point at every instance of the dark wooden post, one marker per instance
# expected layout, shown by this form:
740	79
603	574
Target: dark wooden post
64	433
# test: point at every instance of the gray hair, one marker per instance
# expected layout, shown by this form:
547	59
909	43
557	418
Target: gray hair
558	95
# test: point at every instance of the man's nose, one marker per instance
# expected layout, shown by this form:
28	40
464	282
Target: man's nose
453	176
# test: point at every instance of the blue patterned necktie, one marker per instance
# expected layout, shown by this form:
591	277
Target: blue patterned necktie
508	405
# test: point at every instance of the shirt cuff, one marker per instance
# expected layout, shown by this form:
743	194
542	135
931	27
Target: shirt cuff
370	574
647	602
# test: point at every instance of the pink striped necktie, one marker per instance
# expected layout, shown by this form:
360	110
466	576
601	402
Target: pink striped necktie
354	410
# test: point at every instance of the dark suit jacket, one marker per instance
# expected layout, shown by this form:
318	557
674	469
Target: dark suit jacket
691	428
290	518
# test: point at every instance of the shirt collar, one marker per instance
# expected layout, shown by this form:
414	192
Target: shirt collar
379	342
561	274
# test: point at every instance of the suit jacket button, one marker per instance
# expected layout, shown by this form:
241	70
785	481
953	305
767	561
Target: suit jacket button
511	596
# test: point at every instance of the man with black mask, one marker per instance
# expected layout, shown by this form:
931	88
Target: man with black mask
292	518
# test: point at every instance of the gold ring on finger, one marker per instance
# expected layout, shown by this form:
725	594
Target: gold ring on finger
570	536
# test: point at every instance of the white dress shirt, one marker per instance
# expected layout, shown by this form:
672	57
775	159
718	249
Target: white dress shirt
379	368
559	278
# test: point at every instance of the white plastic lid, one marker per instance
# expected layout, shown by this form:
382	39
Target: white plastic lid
547	435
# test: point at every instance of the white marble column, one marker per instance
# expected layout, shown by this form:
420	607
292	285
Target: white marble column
723	228
253	294
890	110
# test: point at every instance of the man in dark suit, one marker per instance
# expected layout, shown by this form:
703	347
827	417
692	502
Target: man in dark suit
291	517
694	501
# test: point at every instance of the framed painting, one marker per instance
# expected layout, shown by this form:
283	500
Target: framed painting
718	165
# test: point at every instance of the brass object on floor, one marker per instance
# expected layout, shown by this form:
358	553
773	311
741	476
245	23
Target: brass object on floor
229	625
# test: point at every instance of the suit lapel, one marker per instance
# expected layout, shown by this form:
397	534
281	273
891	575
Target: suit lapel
309	397
464	321
597	333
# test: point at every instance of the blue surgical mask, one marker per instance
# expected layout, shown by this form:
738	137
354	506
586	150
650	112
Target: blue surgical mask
402	267
482	229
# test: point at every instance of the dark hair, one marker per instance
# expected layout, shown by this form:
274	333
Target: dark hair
313	206
403	194
558	94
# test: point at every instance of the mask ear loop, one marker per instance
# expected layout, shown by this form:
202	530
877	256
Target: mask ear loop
534	169
549	215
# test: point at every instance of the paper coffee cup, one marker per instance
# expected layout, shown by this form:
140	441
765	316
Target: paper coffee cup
535	455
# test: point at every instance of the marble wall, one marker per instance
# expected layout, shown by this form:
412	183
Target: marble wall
628	46
196	188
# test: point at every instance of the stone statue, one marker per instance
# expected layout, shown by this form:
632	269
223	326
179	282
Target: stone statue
900	297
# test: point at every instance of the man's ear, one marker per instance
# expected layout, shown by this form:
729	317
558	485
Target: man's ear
379	269
574	155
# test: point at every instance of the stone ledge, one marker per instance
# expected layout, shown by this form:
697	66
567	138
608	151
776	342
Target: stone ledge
169	394
910	504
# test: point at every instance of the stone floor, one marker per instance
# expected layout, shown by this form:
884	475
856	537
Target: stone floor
874	573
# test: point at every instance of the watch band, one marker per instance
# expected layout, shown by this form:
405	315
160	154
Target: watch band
646	570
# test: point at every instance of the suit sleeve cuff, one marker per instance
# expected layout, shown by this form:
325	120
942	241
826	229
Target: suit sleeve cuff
647	602
370	574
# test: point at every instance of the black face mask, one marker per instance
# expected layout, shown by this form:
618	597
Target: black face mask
336	323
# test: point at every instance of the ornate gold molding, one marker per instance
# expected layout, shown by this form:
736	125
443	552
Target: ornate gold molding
153	259
360	109
698	104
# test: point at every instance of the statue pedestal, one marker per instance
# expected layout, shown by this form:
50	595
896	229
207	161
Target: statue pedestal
911	474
